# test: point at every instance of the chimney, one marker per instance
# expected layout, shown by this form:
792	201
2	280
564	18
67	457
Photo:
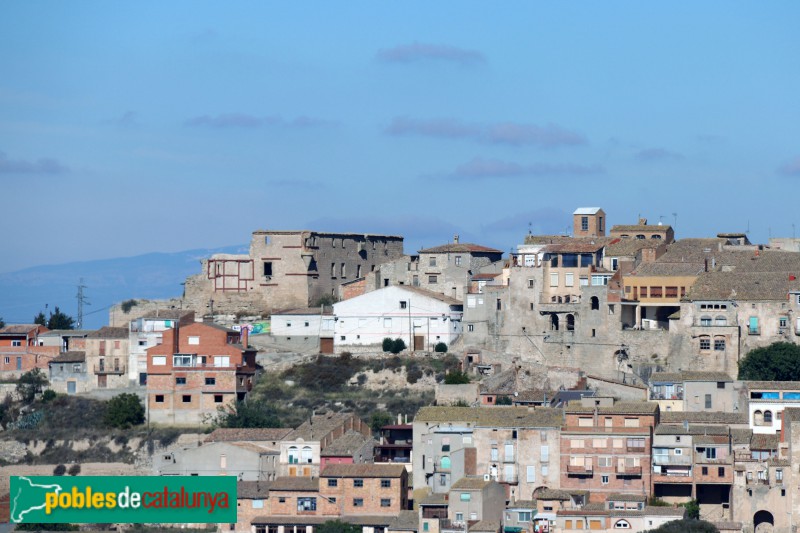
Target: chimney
176	341
642	221
455	238
245	336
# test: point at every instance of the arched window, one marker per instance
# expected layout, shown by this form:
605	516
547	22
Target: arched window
445	462
758	418
622	524
640	236
570	323
294	455
655	236
720	321
554	322
705	320
624	236
305	456
595	303
767	418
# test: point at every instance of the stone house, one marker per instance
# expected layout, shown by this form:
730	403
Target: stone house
287	269
197	370
107	357
147	331
68	373
420	317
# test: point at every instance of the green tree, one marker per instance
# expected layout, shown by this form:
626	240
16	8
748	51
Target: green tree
692	509
456	377
337	526
60	470
440	347
59	320
30	384
46	527
124	411
40	319
251	414
779	361
686	526
387	344
398	345
380	419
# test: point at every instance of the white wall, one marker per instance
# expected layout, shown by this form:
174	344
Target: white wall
369	318
300	325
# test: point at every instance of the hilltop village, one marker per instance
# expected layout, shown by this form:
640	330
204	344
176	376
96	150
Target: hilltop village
582	381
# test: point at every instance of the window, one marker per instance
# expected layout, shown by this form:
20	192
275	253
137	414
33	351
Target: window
218	398
306	504
186	398
159	398
705	320
584	281
466	496
358	482
180	381
294	455
433	279
458	260
211	381
333	482
719	344
705	343
386	502
584	223
403	304
499	304
721	471
343	271
545	470
720	321
569	279
554	279
655	292
708	401
258	504
622	524
7	360
459	517
767	417
181	360
222	360
358	502
18	343
711	453
306	455
267	269
386	483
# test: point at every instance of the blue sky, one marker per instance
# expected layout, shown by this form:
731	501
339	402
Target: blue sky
131	127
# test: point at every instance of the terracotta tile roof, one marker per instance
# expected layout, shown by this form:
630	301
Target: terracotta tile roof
626	497
485	526
566	239
252	490
693	429
69	357
66	333
405	521
471	483
510	417
705	417
791	414
738	285
434	499
656	510
772	385
666	268
532	396
254	448
630	247
107	332
295	484
477	277
627	408
575	248
760	441
741	435
710	439
346	445
371	470
430	294
553	494
523	504
247	434
651	228
689	376
460	247
18	329
318	426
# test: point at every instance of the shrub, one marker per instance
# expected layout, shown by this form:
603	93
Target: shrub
30	384
398	345
74	470
692	509
252	414
456	377
388	344
504	400
413	373
380	419
60	470
440	347
124	411
779	361
49	395
127	305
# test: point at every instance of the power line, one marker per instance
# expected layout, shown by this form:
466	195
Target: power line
81	300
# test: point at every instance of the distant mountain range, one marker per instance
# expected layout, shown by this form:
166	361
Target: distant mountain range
152	276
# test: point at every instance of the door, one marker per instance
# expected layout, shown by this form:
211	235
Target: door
101	381
70	387
419	342
19	363
326	345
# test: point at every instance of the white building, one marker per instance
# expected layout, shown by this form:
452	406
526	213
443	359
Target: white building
767	401
303	330
420	317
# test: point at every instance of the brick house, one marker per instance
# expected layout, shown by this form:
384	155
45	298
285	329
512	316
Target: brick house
148	331
197	369
366	489
606	446
21	350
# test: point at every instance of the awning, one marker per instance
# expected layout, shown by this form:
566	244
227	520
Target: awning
544	516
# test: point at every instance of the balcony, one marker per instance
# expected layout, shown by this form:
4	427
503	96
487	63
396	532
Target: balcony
754	330
635	449
629	470
103	369
673	478
511	478
666	460
580	469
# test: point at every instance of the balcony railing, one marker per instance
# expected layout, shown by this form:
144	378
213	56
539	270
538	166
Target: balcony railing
102	369
636	449
579	469
672	460
629	470
754	330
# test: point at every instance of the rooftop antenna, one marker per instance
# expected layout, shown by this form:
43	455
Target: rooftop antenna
748	227
675	220
81	301
530	228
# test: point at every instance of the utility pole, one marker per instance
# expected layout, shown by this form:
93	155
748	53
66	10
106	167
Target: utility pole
81	300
